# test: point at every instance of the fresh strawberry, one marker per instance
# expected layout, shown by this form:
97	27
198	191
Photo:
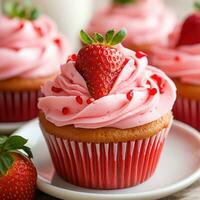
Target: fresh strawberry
99	62
17	173
190	32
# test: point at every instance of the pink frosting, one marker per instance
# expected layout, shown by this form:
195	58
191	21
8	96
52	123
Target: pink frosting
181	62
113	110
30	49
147	21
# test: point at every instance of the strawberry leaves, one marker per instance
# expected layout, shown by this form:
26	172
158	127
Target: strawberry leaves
10	145
109	39
14	142
109	35
21	9
118	37
86	39
98	38
124	1
197	5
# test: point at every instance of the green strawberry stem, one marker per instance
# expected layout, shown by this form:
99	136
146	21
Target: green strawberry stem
22	9
197	5
123	1
109	39
10	145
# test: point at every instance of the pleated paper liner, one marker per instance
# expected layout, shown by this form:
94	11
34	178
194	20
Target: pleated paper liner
187	111
106	166
18	106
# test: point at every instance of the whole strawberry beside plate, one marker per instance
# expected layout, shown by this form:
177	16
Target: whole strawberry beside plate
17	173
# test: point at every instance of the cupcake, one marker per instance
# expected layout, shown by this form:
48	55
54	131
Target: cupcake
180	59
148	22
31	50
105	118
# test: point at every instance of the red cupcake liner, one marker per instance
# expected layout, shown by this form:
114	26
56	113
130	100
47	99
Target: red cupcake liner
18	106
187	111
106	166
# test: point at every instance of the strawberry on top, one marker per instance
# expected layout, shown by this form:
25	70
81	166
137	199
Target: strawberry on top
99	62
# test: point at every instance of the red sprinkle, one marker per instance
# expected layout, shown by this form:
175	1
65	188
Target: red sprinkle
177	58
38	30
126	61
15	49
161	90
56	90
90	100
157	78
160	82
57	41
73	57
140	54
148	82
79	100
20	26
152	91
130	95
161	87
135	63
65	110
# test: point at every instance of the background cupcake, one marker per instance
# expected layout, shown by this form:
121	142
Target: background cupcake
31	50
107	120
181	61
148	22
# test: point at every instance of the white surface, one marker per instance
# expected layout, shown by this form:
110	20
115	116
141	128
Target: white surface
181	7
179	167
8	128
71	16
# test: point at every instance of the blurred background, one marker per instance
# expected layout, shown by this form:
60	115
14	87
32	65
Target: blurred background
72	15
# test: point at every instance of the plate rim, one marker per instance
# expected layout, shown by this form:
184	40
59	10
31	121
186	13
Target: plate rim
182	184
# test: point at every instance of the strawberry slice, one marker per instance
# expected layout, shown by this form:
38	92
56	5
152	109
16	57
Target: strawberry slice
190	33
99	62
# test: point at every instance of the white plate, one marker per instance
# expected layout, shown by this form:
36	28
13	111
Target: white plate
9	127
178	168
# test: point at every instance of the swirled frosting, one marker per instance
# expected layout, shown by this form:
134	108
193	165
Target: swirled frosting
30	48
150	101
182	62
148	22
